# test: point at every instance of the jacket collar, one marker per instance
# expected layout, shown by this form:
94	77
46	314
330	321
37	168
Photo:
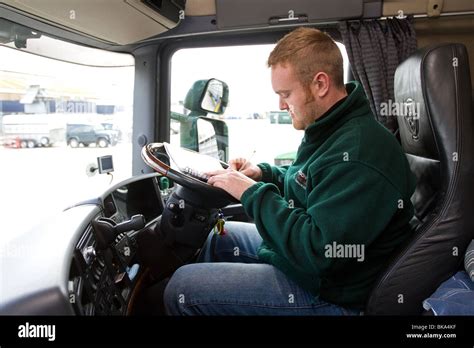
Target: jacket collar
354	105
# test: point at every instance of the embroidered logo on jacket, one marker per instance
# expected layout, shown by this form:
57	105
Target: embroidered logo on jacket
300	179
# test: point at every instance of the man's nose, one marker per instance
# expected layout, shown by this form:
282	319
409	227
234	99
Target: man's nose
283	105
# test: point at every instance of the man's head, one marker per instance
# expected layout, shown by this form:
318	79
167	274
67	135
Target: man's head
307	74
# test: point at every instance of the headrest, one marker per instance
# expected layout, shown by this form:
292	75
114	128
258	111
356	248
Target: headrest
432	96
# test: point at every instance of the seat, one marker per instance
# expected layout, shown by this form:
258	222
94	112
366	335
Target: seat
438	143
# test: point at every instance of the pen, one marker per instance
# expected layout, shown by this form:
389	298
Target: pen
247	160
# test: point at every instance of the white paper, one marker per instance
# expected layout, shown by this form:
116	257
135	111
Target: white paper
183	158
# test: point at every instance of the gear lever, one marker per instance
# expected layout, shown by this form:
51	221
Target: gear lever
106	230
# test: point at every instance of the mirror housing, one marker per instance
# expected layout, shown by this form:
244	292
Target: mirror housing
207	96
188	123
221	135
189	133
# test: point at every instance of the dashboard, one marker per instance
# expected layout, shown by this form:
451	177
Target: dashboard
102	278
139	197
101	256
63	267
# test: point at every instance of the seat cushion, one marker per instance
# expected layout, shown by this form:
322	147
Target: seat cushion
469	260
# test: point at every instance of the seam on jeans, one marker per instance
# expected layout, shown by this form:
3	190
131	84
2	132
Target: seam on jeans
256	305
462	281
455	292
186	308
449	293
250	256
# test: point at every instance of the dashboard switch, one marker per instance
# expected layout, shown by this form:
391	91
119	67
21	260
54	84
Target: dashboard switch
175	208
177	218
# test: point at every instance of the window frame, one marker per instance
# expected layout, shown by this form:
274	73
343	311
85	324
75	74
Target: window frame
169	47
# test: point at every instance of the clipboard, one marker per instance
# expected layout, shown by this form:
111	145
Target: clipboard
192	163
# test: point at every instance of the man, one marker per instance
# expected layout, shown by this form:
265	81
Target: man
326	225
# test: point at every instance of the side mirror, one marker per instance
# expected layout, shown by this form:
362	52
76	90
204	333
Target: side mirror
213	138
207	96
215	97
197	132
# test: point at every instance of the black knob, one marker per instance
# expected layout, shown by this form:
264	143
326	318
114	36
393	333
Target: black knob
104	232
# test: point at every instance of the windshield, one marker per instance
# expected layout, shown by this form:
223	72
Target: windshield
61	107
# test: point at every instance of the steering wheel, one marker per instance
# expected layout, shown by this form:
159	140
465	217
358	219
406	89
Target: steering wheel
194	189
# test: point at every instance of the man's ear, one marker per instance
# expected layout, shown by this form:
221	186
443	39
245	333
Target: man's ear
320	84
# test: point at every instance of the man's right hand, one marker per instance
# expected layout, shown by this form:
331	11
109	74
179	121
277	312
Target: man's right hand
245	167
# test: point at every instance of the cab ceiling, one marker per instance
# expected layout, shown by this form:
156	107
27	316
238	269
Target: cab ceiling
132	21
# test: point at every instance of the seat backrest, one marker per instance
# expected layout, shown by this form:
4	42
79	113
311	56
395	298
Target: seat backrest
438	140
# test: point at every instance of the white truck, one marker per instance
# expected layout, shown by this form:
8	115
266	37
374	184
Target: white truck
29	131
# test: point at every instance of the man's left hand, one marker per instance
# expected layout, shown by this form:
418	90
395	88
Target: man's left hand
232	181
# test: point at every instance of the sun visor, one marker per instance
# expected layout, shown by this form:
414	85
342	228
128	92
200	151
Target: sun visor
262	13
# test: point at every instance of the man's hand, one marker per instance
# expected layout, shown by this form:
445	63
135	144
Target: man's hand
245	167
231	181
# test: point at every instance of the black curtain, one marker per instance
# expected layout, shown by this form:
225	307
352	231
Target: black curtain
375	49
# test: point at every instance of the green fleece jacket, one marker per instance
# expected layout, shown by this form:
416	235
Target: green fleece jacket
331	220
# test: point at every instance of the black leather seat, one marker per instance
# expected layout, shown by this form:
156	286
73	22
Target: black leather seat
440	148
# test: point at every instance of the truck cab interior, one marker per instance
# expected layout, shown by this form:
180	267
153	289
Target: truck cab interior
114	253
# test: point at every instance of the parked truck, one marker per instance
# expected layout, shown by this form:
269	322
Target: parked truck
29	131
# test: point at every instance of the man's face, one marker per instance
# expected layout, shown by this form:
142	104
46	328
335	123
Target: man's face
293	96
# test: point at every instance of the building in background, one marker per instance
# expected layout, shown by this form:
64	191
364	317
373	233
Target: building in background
24	110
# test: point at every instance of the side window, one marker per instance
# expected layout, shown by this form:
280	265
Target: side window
256	126
50	92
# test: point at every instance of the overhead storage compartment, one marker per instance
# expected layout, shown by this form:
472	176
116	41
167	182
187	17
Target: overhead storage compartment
129	21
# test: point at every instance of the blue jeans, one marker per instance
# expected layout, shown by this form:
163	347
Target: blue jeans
229	279
455	296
